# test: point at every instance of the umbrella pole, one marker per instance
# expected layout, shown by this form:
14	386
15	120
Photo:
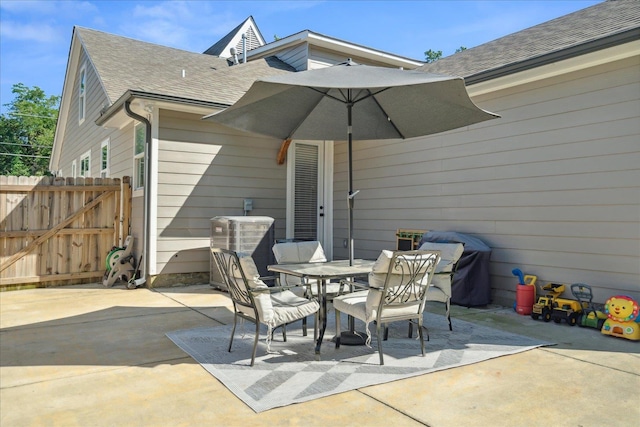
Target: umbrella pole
350	172
351	337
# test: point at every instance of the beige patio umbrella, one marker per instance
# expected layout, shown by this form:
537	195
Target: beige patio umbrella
357	101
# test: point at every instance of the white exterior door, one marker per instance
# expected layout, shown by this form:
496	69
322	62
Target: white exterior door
309	190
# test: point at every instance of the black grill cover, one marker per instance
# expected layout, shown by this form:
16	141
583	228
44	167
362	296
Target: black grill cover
471	284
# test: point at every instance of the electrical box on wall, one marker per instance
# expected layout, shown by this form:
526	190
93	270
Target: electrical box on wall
248	205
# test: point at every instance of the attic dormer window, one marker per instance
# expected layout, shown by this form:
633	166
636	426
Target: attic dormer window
82	100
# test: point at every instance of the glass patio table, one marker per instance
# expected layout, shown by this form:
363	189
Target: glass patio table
323	272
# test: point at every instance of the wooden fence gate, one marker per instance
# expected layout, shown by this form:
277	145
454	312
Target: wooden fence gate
58	231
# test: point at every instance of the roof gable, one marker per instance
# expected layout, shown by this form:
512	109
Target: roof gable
562	37
331	44
233	40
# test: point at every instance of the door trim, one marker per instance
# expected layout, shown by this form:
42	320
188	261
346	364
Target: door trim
326	168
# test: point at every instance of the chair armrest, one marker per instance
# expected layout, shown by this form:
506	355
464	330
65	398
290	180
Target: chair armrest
359	284
443	273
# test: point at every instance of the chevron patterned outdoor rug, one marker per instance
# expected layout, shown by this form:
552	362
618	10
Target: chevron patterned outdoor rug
290	373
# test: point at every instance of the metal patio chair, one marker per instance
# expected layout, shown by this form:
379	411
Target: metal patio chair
256	302
305	252
396	291
440	287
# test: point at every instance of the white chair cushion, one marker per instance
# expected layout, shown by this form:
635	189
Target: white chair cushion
382	263
450	253
278	308
295	253
288	307
376	280
380	270
354	304
441	283
298	252
363	305
248	265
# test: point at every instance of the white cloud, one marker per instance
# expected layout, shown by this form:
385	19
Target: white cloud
189	25
41	33
35	8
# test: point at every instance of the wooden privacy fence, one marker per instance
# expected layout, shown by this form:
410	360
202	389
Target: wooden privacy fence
58	231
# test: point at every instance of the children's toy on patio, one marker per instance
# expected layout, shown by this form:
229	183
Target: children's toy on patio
525	292
622	321
120	264
592	315
544	305
551	306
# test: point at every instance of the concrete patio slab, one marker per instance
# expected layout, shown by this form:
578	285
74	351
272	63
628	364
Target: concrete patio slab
94	356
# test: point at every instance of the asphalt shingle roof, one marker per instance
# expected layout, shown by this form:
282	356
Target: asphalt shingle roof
596	22
127	64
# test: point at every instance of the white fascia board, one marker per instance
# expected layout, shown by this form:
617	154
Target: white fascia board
570	65
335	45
63	112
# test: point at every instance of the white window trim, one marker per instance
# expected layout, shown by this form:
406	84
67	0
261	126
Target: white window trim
82	95
87	173
74	168
104	172
137	188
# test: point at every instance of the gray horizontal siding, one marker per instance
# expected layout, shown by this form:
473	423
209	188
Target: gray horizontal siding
553	186
207	171
86	136
296	56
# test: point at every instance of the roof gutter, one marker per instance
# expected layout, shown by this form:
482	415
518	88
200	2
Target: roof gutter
549	58
108	113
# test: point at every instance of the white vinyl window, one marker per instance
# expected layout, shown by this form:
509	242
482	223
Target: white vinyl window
74	168
104	159
85	164
82	99
138	156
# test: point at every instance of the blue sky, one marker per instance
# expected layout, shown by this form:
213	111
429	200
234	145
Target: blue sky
35	36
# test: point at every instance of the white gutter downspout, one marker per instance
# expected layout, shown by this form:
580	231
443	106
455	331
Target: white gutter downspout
146	238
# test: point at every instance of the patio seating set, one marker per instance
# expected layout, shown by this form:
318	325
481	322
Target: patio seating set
393	288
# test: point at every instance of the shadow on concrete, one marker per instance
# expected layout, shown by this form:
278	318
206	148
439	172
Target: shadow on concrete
116	336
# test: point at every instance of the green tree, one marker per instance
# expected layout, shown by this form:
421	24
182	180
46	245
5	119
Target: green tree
432	56
27	131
